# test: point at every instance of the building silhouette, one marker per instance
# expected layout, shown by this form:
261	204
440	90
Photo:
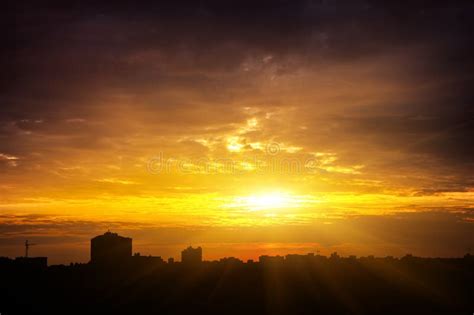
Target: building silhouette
265	259
191	255
139	260
32	262
110	248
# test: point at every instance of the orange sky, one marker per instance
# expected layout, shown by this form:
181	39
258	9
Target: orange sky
250	135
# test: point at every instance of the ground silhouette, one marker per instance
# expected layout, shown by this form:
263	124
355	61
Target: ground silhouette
295	284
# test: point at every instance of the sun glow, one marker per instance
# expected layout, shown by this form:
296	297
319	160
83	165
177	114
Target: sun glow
233	144
268	201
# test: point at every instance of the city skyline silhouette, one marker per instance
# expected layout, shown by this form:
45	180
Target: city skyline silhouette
111	247
119	282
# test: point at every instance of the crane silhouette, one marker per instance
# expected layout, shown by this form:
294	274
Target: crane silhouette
27	247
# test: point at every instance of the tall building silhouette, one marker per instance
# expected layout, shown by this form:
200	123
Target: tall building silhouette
110	248
191	255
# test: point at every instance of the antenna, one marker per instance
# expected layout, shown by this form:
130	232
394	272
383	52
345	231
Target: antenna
27	247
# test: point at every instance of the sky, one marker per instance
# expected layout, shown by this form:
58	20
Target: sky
246	128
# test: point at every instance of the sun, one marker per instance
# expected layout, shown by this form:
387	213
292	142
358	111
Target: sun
274	200
268	201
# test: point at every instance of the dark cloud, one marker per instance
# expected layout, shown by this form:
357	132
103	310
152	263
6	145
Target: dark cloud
64	61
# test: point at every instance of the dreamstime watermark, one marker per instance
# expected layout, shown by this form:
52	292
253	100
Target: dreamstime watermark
269	161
